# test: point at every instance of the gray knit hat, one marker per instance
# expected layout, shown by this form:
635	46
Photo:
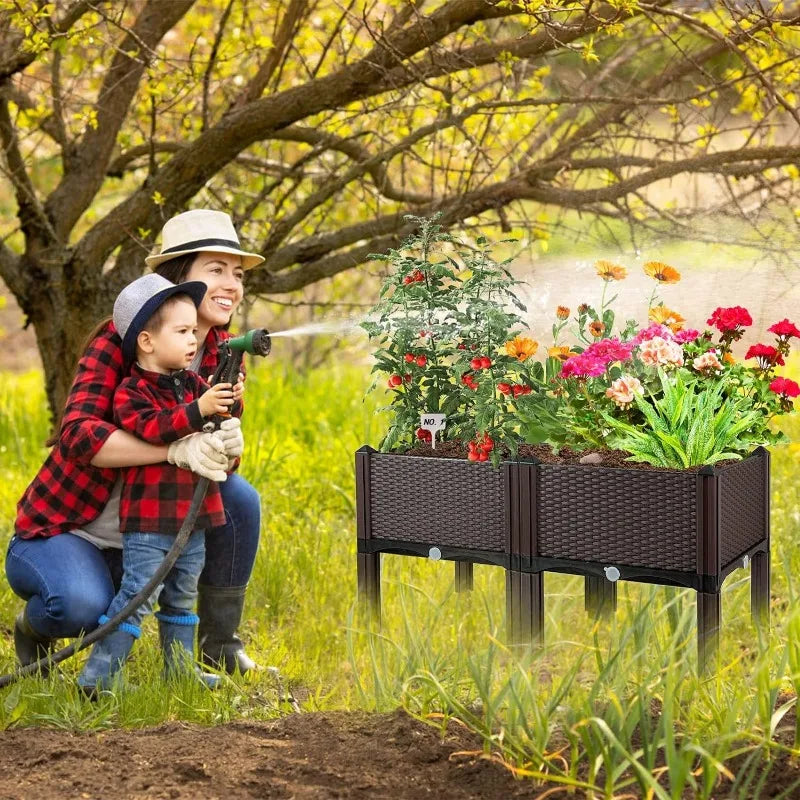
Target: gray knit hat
139	300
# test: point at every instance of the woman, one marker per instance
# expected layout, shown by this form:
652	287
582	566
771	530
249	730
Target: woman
65	556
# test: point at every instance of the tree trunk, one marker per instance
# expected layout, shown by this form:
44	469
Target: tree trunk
63	312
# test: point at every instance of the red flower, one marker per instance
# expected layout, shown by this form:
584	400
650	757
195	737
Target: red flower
785	329
785	387
766	355
504	388
729	319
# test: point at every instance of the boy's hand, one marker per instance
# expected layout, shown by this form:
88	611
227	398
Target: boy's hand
202	453
217	400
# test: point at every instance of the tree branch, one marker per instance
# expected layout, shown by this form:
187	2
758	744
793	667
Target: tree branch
86	168
275	54
17	58
33	220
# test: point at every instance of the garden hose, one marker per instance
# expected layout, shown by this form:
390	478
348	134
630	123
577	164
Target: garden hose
256	342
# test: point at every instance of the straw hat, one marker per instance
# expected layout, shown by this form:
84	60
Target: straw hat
197	231
139	300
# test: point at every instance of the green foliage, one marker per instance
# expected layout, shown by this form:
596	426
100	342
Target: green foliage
440	312
611	707
689	424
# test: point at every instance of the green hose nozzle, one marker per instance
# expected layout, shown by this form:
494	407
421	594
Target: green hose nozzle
256	342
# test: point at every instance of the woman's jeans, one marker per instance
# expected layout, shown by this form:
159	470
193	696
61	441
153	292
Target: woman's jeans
69	582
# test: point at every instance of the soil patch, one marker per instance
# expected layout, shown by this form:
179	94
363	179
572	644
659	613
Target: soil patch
303	756
545	455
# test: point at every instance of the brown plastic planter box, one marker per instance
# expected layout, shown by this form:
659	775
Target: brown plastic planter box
658	526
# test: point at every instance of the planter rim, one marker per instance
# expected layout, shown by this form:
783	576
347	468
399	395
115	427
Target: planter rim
704	469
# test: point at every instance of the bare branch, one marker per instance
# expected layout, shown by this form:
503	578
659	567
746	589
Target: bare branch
275	54
33	220
86	167
212	59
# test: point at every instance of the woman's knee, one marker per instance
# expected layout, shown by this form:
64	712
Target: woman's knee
241	499
74	610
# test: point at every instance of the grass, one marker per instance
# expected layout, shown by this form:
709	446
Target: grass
613	706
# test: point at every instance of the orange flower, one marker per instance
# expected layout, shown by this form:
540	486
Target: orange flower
561	353
661	272
521	347
609	271
728	358
666	316
596	328
562	312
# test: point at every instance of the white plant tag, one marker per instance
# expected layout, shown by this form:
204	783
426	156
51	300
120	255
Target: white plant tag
432	423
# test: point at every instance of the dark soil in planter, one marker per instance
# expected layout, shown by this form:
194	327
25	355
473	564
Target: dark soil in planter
544	454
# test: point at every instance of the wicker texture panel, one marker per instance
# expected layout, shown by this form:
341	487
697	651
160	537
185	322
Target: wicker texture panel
617	516
437	501
742	508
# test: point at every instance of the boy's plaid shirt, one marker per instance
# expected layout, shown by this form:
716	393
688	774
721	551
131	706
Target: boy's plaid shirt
68	491
161	409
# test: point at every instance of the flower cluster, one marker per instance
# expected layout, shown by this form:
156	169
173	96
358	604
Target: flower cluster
666	392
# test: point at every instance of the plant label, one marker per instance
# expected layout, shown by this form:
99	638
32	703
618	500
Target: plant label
432	423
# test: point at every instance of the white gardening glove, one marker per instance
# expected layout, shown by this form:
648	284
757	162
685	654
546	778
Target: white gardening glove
202	453
230	431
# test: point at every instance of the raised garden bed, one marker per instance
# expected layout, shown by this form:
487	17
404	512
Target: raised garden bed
676	528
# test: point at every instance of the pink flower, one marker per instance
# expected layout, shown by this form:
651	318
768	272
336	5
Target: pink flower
784	329
608	350
707	362
658	352
785	387
766	355
623	389
651	332
730	319
582	366
689	335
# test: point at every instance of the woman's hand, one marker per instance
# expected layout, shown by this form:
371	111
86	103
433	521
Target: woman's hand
217	400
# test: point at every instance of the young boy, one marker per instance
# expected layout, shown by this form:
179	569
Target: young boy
159	402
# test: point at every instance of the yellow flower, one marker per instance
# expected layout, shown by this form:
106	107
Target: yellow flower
521	347
609	271
561	353
661	272
666	316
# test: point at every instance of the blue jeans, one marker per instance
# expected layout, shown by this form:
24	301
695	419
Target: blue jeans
141	555
69	582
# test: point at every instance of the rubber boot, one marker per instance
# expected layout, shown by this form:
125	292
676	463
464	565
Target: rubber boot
107	657
30	645
177	645
220	609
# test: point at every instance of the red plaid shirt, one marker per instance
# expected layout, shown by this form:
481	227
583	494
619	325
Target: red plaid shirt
161	409
68	491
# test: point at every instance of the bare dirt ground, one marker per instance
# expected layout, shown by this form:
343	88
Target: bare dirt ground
303	756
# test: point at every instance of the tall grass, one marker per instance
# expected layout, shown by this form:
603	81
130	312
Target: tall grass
615	707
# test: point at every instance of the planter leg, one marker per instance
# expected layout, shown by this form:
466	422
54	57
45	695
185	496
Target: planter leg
600	596
369	582
708	622
463	576
759	588
524	607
